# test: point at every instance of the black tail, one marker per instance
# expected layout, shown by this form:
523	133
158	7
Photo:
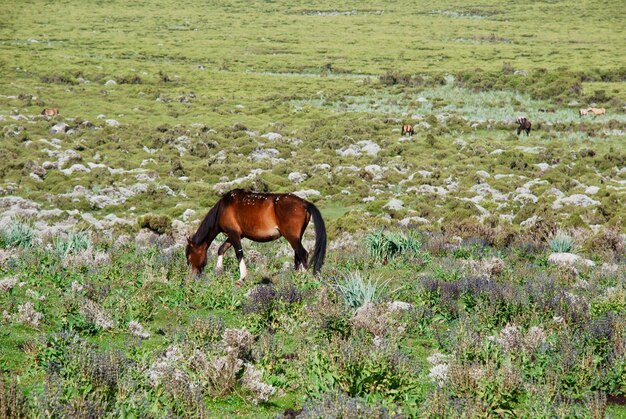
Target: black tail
319	253
209	222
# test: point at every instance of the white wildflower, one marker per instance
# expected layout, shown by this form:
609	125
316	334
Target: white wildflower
439	374
77	287
26	313
138	330
534	338
252	381
7	284
509	338
437	358
94	313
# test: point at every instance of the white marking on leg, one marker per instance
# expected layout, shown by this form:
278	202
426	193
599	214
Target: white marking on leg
243	272
219	266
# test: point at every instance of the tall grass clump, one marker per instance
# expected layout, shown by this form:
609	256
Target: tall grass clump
18	234
356	292
562	242
75	242
384	246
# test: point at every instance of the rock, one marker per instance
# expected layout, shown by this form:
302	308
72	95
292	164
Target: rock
592	190
569	260
577	200
398	306
67	156
426	189
297	177
75	168
369	147
110	83
408	221
482	174
112	122
59	128
460	143
306	193
394	205
272	136
264	154
530	222
188	214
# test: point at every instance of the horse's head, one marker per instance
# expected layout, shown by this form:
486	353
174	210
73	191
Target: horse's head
196	256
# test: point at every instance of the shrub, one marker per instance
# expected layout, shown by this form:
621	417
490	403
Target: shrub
561	242
160	224
74	243
18	234
356	292
383	246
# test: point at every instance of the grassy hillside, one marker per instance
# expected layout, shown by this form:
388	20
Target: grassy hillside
166	105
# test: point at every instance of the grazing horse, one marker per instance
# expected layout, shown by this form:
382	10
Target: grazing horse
597	111
260	217
583	112
408	128
524	125
50	111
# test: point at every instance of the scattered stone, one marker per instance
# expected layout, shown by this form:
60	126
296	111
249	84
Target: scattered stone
59	128
569	260
297	177
577	200
272	136
394	205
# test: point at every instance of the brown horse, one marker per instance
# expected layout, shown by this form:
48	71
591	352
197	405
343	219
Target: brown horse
524	125
583	112
408	129
260	217
597	111
50	112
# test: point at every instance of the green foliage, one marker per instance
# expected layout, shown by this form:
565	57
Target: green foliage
160	224
384	245
356	292
76	241
562	242
18	234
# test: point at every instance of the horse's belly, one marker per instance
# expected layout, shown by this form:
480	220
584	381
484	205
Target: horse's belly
263	234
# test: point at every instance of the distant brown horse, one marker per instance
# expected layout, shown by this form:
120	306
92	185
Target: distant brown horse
524	125
583	112
597	111
408	129
260	217
50	111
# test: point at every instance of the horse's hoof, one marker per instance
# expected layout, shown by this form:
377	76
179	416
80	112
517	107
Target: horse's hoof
239	283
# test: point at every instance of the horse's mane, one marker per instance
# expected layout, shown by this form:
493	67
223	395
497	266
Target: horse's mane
206	225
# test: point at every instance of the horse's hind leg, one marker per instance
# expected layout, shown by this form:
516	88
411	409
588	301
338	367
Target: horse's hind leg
219	267
300	254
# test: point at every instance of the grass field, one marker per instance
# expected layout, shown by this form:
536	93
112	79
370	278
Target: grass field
440	296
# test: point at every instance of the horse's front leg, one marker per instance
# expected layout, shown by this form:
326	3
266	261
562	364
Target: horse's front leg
235	240
219	266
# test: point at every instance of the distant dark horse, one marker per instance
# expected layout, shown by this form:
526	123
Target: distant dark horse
524	125
408	129
260	217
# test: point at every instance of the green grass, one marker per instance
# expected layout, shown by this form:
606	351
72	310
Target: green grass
198	87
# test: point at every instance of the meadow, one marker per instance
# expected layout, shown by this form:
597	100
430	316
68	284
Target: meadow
445	291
